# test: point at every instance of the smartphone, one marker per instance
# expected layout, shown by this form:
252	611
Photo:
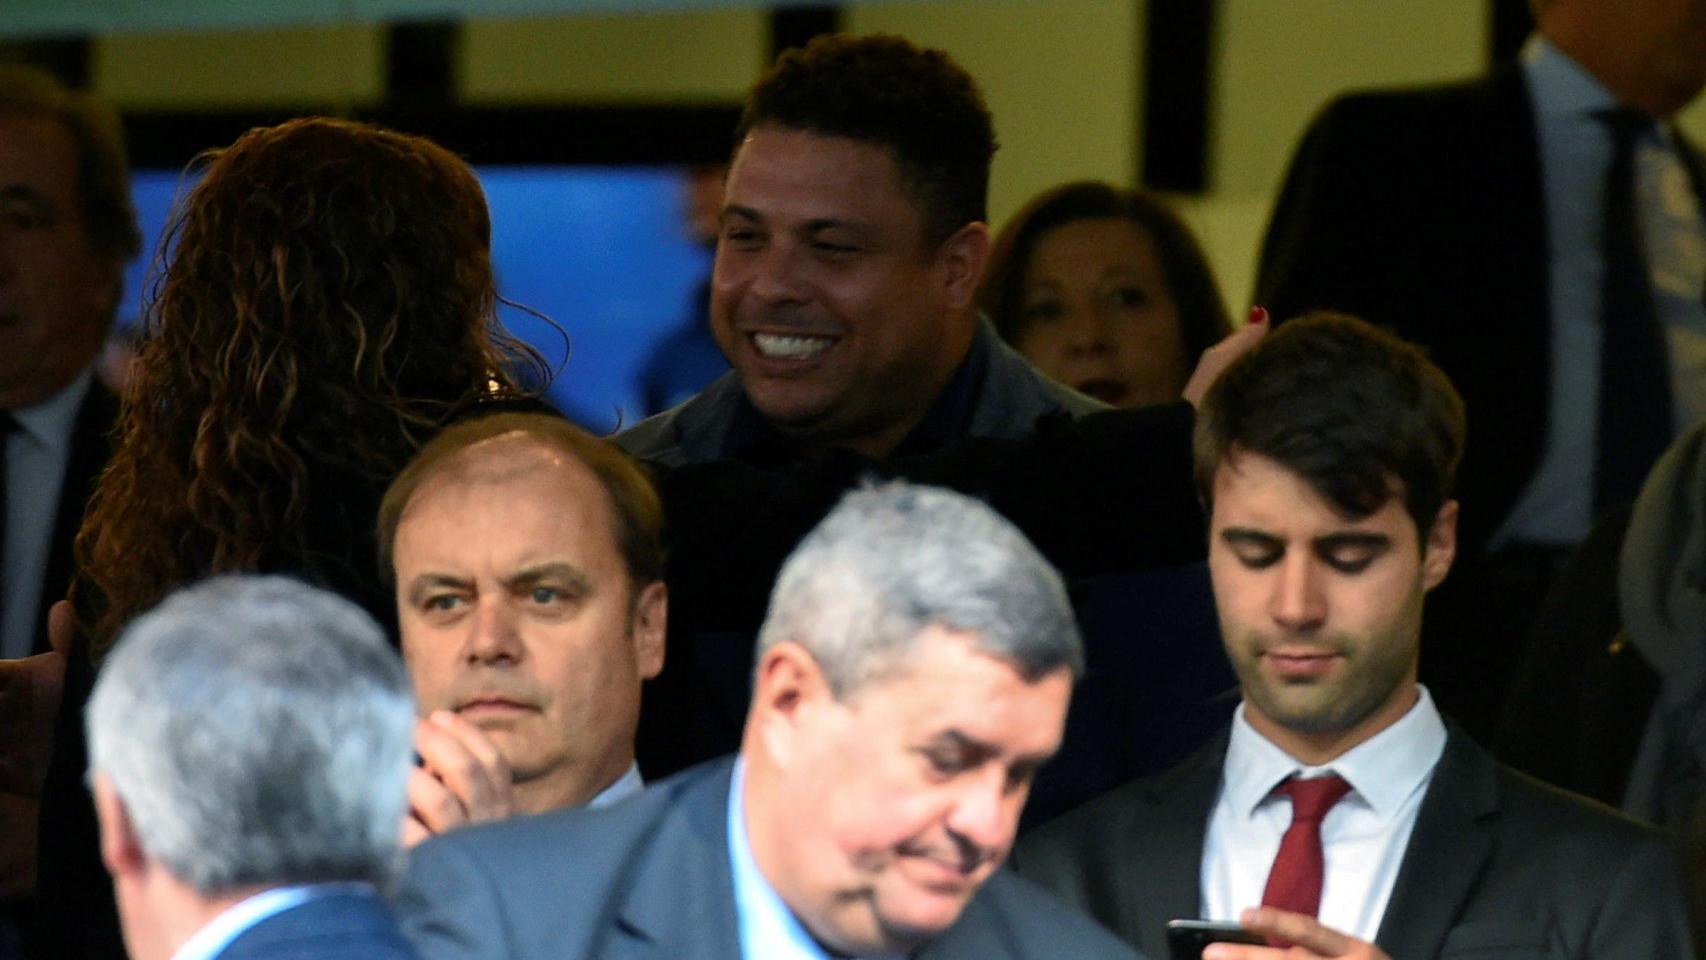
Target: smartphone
1187	938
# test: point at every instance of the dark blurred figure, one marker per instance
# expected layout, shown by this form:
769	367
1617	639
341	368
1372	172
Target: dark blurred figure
67	229
1105	290
328	304
1540	232
686	360
1611	700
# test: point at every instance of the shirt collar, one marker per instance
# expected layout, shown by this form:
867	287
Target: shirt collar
767	927
1382	770
221	931
49	422
625	786
1559	86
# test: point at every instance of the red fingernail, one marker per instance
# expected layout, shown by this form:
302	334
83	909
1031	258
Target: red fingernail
1258	314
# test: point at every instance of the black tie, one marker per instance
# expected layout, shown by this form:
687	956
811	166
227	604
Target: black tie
1634	369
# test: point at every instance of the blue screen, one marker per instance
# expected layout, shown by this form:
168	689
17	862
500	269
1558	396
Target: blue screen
599	250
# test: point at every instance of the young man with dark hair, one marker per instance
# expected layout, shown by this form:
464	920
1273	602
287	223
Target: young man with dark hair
1340	801
851	243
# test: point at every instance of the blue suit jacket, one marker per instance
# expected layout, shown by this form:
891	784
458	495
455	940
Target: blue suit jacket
650	877
341	926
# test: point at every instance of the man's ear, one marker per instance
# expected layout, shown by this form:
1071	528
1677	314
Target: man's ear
789	691
1440	548
121	850
963	257
650	627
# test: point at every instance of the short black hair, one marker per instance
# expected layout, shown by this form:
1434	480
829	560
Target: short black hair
1345	404
917	103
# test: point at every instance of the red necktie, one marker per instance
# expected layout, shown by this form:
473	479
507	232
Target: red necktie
1294	883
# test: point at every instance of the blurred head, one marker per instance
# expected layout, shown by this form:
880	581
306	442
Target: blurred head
1650	53
913	673
528	563
1325	456
67	229
327	303
1106	291
852	238
250	732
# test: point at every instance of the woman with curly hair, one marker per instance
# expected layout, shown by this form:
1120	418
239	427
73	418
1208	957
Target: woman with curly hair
327	303
1106	291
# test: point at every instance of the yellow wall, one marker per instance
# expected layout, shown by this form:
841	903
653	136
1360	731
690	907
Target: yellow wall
310	66
1060	76
660	57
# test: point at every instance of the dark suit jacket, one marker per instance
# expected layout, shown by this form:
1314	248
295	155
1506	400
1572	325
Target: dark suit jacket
651	878
1498	865
91	446
1422	210
340	926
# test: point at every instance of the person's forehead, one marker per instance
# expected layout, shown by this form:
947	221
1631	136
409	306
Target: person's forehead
520	474
787	170
946	681
1261	494
38	151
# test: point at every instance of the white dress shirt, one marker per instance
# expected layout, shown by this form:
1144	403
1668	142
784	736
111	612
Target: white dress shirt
1362	838
37	452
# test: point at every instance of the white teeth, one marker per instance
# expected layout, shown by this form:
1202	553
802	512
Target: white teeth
790	348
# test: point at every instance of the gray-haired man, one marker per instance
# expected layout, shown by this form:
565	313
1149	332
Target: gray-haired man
249	740
913	673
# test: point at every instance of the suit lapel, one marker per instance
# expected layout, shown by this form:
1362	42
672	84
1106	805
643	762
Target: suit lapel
1166	860
680	902
1448	848
91	446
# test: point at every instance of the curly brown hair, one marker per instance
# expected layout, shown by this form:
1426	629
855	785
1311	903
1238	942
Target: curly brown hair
327	303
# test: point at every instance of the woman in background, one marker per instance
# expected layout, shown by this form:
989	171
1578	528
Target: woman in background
1106	291
327	303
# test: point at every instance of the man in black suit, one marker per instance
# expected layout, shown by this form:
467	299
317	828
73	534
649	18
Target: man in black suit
1477	219
912	675
249	742
1361	821
67	228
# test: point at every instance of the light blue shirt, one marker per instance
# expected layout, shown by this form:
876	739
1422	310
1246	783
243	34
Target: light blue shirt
1575	153
210	941
768	929
1363	837
37	453
625	786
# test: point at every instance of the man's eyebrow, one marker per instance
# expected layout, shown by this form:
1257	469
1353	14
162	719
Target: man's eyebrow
736	211
964	743
28	195
1353	539
566	575
429	581
1251	536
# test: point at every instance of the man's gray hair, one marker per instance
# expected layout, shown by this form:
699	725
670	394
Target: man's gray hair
893	559
260	732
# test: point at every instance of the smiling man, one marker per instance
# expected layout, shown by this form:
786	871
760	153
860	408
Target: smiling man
851	243
528	563
913	674
1341	813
